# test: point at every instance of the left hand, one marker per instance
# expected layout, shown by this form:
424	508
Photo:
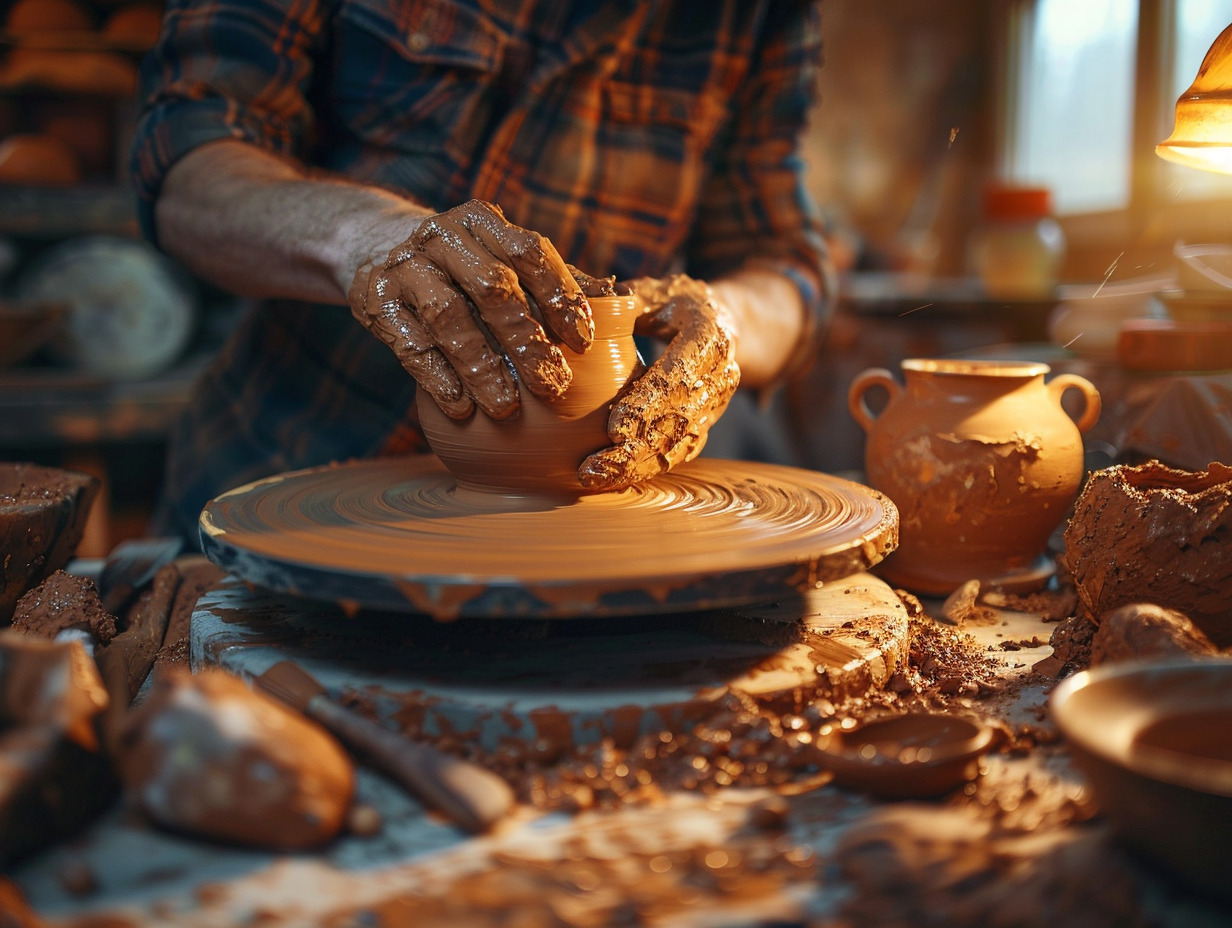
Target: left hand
665	416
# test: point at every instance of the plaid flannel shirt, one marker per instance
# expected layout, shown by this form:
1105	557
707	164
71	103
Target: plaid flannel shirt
639	136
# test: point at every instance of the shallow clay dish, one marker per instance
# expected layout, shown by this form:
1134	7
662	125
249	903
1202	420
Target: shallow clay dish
129	310
399	534
912	755
1154	739
43	514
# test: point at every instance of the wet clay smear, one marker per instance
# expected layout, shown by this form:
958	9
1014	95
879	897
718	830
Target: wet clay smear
919	866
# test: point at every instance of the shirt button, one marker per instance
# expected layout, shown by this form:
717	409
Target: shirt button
419	41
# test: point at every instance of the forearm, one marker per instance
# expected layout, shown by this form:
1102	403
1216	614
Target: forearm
767	319
259	226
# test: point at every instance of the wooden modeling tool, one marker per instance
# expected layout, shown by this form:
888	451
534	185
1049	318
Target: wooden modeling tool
470	795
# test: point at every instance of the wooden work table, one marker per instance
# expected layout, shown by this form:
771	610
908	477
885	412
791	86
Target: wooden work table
1017	845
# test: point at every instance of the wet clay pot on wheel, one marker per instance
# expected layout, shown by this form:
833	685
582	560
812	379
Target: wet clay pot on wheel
537	451
981	460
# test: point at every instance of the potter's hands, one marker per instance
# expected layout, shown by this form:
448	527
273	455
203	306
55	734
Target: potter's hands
419	302
665	416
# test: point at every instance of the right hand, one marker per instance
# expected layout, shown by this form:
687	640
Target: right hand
664	417
471	305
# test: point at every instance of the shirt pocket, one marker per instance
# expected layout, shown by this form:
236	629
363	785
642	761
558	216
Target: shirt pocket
414	76
694	112
657	141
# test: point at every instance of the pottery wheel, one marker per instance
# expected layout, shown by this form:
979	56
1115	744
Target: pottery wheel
399	534
546	685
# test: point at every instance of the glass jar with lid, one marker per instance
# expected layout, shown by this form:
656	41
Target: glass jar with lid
1018	248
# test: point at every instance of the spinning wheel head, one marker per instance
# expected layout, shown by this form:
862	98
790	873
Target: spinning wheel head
398	534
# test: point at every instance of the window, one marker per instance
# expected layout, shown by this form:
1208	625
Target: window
1092	85
1076	141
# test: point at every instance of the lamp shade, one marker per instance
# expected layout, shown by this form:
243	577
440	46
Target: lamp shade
1202	135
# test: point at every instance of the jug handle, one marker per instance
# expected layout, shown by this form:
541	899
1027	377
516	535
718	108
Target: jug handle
1090	413
873	377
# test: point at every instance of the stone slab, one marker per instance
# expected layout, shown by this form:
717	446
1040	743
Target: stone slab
503	682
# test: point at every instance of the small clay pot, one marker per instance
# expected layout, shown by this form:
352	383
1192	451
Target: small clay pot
981	460
1155	534
539	449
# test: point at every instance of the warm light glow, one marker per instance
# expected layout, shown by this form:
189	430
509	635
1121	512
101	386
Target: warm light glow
1202	135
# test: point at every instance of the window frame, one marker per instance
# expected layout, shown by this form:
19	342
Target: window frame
1151	220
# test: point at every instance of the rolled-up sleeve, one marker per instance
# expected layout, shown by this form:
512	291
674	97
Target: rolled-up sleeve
755	208
219	71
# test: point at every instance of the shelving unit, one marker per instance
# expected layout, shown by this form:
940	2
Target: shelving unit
59	213
68	76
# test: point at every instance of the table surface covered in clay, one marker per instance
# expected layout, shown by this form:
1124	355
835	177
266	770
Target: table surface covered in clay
1017	851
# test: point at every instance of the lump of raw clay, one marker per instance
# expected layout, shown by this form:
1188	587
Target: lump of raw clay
62	602
54	775
962	607
196	576
1151	533
206	755
1142	630
1071	645
43	512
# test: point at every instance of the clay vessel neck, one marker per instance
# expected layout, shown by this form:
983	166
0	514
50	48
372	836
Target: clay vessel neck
968	381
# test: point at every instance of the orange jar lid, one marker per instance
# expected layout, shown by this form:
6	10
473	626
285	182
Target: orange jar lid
1007	203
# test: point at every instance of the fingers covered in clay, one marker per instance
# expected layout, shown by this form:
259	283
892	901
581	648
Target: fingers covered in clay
376	301
664	418
469	303
430	303
541	270
493	289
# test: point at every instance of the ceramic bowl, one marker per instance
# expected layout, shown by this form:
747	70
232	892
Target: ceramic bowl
43	513
1154	740
1204	268
130	311
1089	325
1188	306
909	755
1169	345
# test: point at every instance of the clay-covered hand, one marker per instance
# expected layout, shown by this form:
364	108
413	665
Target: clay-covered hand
471	304
664	417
